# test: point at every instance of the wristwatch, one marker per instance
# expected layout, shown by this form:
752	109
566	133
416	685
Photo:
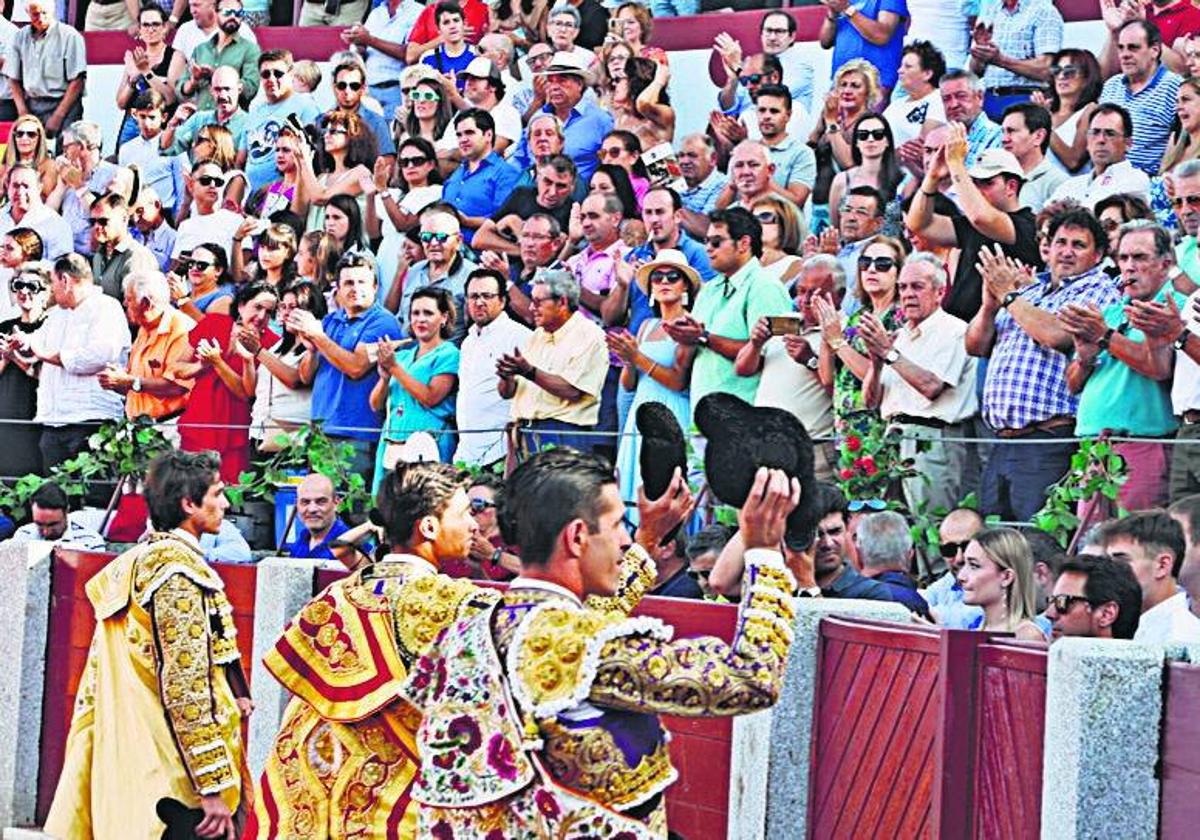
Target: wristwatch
136	387
1007	300
1181	342
892	357
851	11
702	339
1103	342
813	363
810	592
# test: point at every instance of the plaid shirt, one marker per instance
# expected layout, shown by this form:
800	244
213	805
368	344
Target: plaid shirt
1032	29
1026	382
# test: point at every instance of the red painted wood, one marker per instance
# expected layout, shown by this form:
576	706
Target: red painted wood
1179	805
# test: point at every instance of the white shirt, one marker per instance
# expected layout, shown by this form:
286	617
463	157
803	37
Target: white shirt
937	344
1090	188
795	388
77	536
7	33
87	338
508	124
189	36
394	29
1169	622
217	227
479	404
906	116
1185	388
57	238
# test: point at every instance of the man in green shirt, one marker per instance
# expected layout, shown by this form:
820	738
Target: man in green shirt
224	49
728	306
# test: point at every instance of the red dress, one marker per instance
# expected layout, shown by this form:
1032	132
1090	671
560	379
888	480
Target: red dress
211	401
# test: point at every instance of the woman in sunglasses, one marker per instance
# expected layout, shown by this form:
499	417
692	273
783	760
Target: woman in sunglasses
844	359
19	246
1072	98
209	286
875	165
854	92
428	111
417	381
214	144
27	144
282	402
341	163
782	235
30	291
394	202
997	577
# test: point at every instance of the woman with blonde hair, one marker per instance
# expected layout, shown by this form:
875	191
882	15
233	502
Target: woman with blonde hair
782	234
27	144
855	92
997	576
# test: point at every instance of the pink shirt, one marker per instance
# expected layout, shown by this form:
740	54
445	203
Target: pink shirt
596	271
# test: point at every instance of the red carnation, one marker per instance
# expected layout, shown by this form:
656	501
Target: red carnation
846	474
853	443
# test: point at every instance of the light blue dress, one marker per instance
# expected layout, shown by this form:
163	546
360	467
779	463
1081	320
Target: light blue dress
405	415
648	390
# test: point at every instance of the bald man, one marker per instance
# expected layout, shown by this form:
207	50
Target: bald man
316	511
751	177
945	596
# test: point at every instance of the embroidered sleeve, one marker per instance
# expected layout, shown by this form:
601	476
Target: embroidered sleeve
181	636
706	676
637	577
426	605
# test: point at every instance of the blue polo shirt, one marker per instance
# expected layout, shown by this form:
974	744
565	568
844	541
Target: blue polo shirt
482	192
380	130
582	135
639	302
849	42
300	547
341	402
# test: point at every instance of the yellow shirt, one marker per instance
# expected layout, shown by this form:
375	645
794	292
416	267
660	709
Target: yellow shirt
157	353
575	351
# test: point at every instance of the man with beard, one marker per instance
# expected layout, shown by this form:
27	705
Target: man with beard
551	196
349	88
227	48
1095	597
275	71
182	128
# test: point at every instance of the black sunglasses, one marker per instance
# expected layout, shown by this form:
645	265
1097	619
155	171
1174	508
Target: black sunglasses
752	79
699	574
355	86
950	549
480	505
766	217
1062	603
200	265
413	161
210	181
27	132
870	134
1067	71
98	220
666	275
17	285
267	73
880	263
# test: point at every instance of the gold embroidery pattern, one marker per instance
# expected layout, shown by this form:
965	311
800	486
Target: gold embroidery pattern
637	576
425	606
589	760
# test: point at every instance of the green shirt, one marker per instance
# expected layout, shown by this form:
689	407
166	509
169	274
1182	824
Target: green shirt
1115	396
1186	256
239	54
730	307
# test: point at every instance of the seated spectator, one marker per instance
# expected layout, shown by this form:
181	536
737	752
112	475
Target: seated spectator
151	228
30	288
484	90
736	118
640	102
1109	131
702	550
158	171
317	504
184	126
636	25
482	183
525	98
1152	545
495	559
227	545
17	247
860	217
698	163
428	111
945	595
46	66
544	134
556	379
614	179
916	105
835	574
209	222
425	34
671	578
1095	597
855	92
783	231
962	99
25	209
451	54
274	257
282	401
343	162
563	23
209	287
227	48
155	382
51	522
997	577
624	149
1184	143
875	166
885	549
1025	132
84	171
445	266
264	123
118	255
555	183
1115	211
27	144
1012	48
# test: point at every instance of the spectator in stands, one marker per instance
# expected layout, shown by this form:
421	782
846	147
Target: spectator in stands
788	363
340	364
349	89
615	180
635	27
209	221
1095	597
209	286
551	196
698	163
1070	101
190	34
783	233
1120	378
26	209
703	549
84	333
445	266
1186	511
855	92
317	503
227	48
485	91
51	522
873	31
29	287
1025	394
425	34
563	24
27	144
482	182
835	574
920	108
118	254
997	577
451	54
860	218
1146	89
541	241
144	149
1153	546
1025	132
1014	43
525	97
962	99
1184	143
146	68
875	165
726	309
641	104
84	175
545	138
498	49
481	412
737	119
1118	209
922	382
282	104
988	192
555	380
885	549
282	402
495	560
1109	130
185	126
151	228
751	177
777	36
344	13
46	66
795	166
382	39
671	571
154	382
945	595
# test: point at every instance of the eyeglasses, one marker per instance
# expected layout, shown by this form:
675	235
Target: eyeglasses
425	96
27	132
1108	133
1062	603
857	505
771	30
767	217
563	23
406	162
440	238
210	181
1067	71
716	241
200	265
268	73
951	549
477	297
16	285
538	301
752	79
1189	200
233	13
870	134
480	505
879	263
102	221
612	152
666	275
354	86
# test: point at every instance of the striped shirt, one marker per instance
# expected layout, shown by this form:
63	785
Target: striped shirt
981	136
1032	29
1026	382
1153	112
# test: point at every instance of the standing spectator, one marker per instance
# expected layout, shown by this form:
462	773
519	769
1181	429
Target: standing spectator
1025	132
118	254
415	390
997	577
482	182
30	288
1072	97
1120	378
445	267
1153	546
217	415
425	34
190	34
920	108
836	576
83	334
282	402
1109	131
157	171
340	365
382	38
151	228
795	165
962	100
885	549
275	71
27	144
26	210
209	221
873	30
84	174
875	165
698	163
451	54
945	595
185	127
860	218
1146	89
541	241
777	37
1025	394
753	74
51	522
855	92
146	68
209	286
154	383
923	382
783	232
555	380
317	504
227	48
635	27
1013	45
943	27
481	412
1108	593
341	13
46	66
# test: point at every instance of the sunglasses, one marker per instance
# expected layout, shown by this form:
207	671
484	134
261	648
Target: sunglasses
25	286
355	86
1067	71
150	24
870	134
199	265
272	74
210	181
951	549
232	13
406	162
880	263
611	152
752	79
27	132
440	238
715	241
336	129
480	505
857	505
699	574
425	96
767	218
666	275
1189	200
102	221
1062	603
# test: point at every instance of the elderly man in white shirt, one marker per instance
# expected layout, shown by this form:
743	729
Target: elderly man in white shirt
923	382
1153	545
83	333
481	412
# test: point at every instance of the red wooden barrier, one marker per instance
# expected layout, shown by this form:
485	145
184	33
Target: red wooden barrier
1179	802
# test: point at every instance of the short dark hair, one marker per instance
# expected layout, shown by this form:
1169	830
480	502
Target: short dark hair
1036	117
498	276
1113	108
1079	217
772	64
929	57
1108	580
710	539
1153	530
740	222
1154	36
1043	548
1189	509
445	6
546	493
413	491
483	120
830	500
175	476
561	164
676	200
50	497
870	192
791	21
778	91
249	291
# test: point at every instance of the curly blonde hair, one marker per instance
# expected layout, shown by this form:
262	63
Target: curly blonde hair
870	76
